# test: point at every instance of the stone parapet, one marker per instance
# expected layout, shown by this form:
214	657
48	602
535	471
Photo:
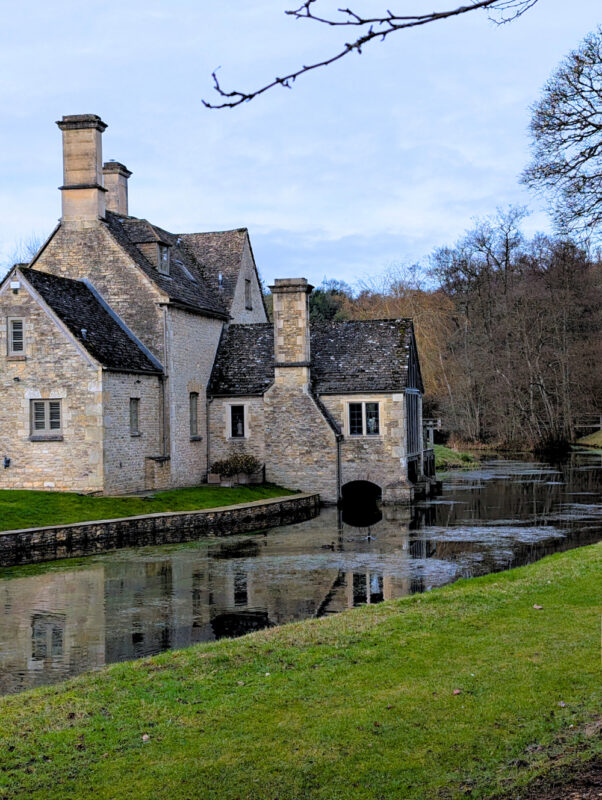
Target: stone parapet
34	545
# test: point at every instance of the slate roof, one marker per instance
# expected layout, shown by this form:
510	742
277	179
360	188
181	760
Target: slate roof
244	363
196	260
80	309
346	357
218	252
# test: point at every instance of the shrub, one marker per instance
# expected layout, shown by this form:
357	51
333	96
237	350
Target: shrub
240	462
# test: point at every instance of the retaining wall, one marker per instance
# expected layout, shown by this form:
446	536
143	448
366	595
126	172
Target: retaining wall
33	545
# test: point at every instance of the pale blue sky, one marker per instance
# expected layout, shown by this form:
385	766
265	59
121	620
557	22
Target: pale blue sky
376	160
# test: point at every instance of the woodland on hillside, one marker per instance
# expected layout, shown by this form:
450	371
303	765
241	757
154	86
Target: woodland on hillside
509	331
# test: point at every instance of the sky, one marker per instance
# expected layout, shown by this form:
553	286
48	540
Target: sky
367	164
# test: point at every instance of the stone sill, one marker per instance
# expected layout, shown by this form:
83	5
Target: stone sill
135	435
16	358
57	437
196	438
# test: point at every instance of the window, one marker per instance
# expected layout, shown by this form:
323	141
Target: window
16	337
237	422
194	414
45	417
163	262
372	421
248	296
364	419
134	416
356	424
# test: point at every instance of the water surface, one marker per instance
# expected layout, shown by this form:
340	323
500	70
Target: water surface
64	618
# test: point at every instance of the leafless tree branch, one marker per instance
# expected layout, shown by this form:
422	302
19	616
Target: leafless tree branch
371	28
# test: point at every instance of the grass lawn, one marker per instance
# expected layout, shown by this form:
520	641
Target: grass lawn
28	509
465	691
446	458
592	440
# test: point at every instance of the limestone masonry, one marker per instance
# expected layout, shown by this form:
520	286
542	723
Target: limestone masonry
132	359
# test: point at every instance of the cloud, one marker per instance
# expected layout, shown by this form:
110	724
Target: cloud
380	158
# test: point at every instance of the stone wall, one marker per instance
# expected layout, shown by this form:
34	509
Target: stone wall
300	445
91	252
192	344
125	468
90	538
238	311
220	445
54	367
378	459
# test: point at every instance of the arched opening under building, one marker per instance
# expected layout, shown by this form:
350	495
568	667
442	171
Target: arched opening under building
360	501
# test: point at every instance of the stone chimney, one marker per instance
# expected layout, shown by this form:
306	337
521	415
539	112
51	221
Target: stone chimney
116	183
83	193
291	330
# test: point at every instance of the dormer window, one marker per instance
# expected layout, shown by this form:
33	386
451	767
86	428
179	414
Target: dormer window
163	259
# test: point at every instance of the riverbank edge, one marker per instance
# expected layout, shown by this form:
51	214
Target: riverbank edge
315	708
77	539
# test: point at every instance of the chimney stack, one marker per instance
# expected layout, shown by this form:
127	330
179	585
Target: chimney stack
116	183
291	329
83	193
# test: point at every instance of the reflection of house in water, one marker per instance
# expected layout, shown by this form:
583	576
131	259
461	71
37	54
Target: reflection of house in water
52	627
133	604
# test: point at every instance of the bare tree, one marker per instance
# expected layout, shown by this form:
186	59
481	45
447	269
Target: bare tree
566	130
367	29
23	252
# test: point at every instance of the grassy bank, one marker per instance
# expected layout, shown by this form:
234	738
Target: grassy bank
464	691
28	509
592	440
446	458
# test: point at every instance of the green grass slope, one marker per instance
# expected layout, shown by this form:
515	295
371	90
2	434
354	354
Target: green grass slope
592	440
464	691
446	458
30	509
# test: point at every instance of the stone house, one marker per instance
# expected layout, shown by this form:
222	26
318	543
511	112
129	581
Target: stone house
132	358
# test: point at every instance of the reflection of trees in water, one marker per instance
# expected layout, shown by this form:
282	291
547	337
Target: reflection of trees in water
160	599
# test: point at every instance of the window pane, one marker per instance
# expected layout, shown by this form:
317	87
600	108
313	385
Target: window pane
39	415
238	421
54	415
194	411
356	427
16	336
164	259
134	414
372	420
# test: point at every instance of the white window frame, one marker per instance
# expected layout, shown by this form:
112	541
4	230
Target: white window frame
10	338
245	435
47	431
364	433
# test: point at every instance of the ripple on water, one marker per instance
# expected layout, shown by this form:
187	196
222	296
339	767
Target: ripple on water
522	534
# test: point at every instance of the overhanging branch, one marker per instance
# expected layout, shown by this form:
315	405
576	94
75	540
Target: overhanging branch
501	11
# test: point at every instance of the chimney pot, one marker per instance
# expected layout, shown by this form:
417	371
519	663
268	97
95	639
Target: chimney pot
116	177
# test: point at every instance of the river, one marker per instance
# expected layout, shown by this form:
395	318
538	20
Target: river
68	617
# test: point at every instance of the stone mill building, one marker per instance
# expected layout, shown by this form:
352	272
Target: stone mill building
132	358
